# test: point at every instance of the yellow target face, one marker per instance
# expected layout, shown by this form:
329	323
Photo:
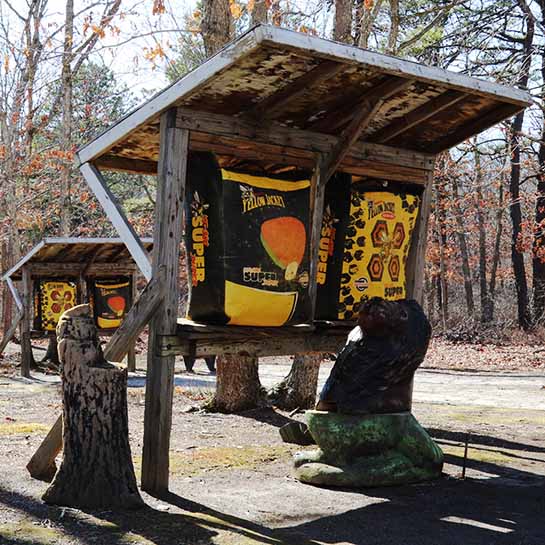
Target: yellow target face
376	248
55	298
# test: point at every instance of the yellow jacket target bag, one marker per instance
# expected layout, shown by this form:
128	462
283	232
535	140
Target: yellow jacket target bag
247	237
369	236
51	298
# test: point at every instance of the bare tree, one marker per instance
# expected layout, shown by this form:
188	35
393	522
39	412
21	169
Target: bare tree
216	25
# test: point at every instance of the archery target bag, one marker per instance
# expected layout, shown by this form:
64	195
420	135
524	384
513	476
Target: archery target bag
51	298
111	300
247	246
373	232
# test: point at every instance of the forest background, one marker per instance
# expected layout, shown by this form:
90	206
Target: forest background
70	68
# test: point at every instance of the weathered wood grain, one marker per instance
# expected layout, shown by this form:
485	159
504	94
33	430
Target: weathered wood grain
313	343
131	354
271	105
495	115
115	213
417	116
417	253
166	252
42	464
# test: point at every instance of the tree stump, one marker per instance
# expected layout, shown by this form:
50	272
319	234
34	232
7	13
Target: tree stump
237	387
96	469
298	389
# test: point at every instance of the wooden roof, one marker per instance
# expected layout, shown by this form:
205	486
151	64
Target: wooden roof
277	78
76	250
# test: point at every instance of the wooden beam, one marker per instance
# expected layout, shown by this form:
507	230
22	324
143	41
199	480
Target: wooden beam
8	335
296	142
360	121
26	347
137	318
330	341
416	260
131	354
269	107
75	269
343	115
325	168
115	213
497	114
14	293
124	164
174	149
42	464
317	197
417	116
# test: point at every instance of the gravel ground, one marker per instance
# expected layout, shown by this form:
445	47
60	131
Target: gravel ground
231	480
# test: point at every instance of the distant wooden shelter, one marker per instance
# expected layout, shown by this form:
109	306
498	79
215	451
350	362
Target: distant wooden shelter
279	99
79	260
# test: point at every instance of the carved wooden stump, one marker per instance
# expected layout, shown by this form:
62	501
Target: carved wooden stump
96	469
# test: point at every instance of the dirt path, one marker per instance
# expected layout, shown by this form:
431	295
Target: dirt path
231	476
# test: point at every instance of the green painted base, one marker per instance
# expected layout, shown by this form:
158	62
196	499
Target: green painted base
368	450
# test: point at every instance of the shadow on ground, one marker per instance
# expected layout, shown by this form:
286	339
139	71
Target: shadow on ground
505	507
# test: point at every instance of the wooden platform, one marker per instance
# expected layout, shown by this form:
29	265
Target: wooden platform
199	340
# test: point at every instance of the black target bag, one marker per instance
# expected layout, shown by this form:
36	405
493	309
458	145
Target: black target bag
204	222
331	247
111	300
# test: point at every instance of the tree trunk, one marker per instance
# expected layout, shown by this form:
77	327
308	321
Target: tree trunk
369	13
538	257
238	387
298	389
394	27
96	470
486	301
462	242
7	301
66	138
259	12
517	257
497	249
342	31
216	26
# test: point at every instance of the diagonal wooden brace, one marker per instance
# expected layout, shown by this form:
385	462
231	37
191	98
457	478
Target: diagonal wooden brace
326	165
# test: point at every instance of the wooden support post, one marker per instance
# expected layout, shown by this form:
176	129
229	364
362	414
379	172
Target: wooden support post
326	165
26	348
317	196
173	154
131	354
417	254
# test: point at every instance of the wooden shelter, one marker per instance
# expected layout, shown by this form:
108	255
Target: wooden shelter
77	259
280	100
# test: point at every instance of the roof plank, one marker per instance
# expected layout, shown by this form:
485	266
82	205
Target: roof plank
271	105
419	115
